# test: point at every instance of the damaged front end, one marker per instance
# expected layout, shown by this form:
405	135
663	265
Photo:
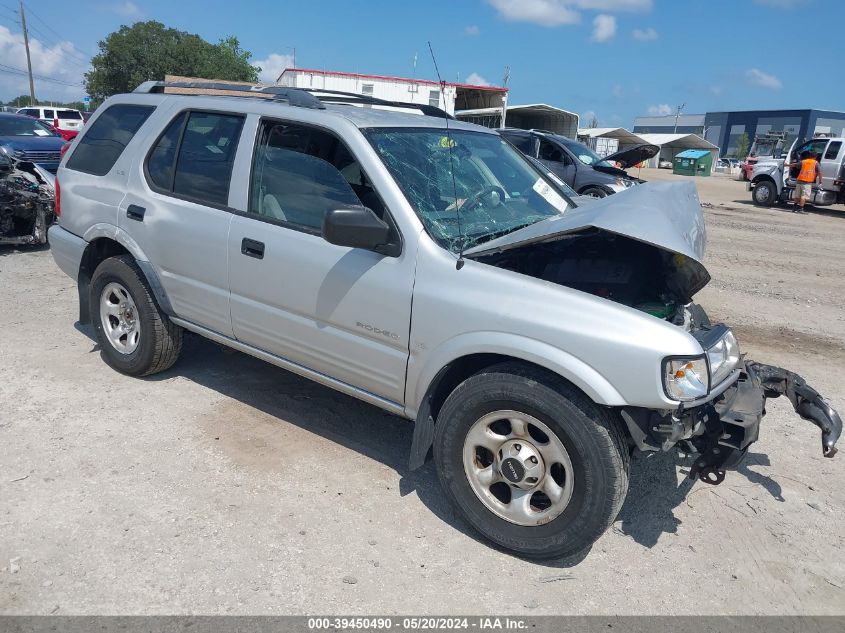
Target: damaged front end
644	249
27	197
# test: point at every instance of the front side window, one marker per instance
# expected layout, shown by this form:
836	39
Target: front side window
104	141
200	169
522	142
300	173
466	187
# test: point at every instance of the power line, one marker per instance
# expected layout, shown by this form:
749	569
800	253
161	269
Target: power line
20	71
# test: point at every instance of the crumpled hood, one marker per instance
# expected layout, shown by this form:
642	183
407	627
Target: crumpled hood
665	214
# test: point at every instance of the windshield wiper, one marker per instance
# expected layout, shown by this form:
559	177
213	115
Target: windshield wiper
487	237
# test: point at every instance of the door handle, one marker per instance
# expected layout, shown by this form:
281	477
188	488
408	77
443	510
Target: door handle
252	248
134	212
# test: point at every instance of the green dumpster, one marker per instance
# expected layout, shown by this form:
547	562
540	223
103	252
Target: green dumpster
693	162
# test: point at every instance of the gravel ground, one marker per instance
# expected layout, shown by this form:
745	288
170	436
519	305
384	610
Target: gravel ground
226	485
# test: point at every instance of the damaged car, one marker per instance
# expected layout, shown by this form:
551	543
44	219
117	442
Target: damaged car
427	267
26	201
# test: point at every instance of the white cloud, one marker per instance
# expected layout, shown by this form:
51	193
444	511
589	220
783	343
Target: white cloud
781	4
758	78
558	12
604	28
645	35
61	62
128	9
472	29
586	118
474	79
272	67
660	110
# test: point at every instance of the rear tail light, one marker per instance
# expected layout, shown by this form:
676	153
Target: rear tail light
56	123
64	149
57	205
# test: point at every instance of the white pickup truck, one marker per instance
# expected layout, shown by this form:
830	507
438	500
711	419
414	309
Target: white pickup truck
771	183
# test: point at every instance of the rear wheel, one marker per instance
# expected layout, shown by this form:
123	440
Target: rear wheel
530	462
135	337
764	193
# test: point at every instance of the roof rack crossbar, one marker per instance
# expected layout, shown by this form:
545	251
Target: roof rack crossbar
294	96
337	96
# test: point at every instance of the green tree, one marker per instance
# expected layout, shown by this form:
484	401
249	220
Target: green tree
742	146
150	50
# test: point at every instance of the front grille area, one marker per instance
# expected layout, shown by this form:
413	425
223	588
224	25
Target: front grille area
37	157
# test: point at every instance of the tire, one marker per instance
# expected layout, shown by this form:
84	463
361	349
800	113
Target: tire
594	192
593	440
153	343
764	193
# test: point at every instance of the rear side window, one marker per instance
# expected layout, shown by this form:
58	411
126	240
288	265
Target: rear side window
194	157
104	142
70	115
521	142
833	150
49	114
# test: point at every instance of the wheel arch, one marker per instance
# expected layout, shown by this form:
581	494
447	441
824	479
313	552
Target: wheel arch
434	386
106	241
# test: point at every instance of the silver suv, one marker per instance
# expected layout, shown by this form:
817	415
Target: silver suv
425	266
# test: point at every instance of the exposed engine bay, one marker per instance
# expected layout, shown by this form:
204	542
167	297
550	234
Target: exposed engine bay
27	198
613	267
660	282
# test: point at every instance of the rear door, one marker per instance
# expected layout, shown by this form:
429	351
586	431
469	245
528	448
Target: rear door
343	312
831	162
177	211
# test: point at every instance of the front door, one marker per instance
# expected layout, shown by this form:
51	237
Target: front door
341	311
558	161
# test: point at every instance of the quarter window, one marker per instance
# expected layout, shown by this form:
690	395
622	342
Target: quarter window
200	169
300	173
104	141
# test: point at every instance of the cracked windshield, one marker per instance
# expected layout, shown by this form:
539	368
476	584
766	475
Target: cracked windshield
466	187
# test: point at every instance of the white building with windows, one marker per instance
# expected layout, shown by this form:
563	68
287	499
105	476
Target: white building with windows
455	96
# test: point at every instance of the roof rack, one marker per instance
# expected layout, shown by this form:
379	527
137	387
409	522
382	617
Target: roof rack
294	96
336	96
313	98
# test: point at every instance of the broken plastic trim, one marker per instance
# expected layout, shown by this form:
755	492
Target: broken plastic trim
806	401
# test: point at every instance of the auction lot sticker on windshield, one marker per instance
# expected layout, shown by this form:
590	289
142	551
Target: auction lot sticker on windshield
550	195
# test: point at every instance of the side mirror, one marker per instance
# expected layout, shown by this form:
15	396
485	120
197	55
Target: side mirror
356	227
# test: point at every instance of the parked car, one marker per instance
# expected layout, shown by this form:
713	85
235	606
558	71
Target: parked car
64	119
425	266
27	139
664	164
771	183
578	165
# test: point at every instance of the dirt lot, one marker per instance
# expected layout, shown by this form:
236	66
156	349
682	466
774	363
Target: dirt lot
226	485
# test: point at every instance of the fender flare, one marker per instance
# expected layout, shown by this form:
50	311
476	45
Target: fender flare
579	373
116	234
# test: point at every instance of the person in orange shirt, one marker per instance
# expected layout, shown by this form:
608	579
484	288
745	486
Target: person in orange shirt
809	174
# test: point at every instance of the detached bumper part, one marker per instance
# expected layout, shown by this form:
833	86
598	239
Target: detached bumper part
719	433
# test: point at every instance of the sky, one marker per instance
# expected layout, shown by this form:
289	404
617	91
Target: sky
615	59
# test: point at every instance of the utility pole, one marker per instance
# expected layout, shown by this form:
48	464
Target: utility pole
505	96
28	60
677	115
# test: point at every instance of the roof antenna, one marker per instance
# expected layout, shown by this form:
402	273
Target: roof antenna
460	262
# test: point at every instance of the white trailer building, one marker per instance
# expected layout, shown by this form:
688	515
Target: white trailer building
453	96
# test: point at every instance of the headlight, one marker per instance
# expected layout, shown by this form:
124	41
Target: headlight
686	379
723	357
624	183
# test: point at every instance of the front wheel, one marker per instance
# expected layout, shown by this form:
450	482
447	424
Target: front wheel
594	192
764	193
530	462
135	337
